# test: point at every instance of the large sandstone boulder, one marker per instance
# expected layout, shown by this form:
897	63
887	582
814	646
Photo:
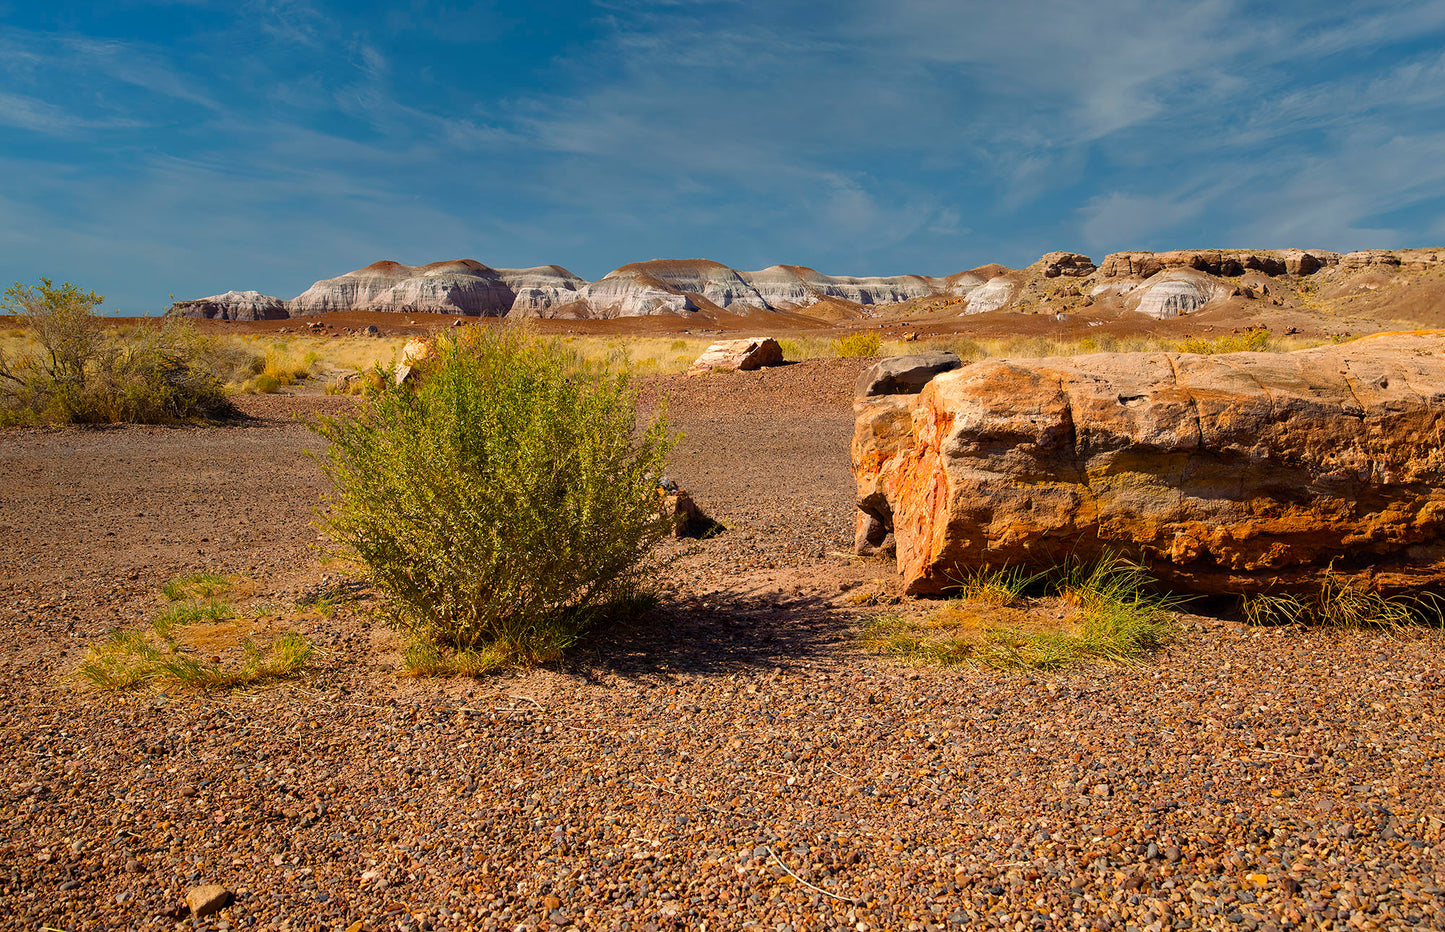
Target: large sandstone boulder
1226	474
738	355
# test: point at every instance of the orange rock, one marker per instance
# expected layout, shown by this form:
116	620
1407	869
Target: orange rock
1225	473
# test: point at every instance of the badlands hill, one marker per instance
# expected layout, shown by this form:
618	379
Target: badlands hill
1402	285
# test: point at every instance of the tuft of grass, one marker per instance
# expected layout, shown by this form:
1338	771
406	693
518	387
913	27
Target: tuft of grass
287	654
425	658
1103	611
865	343
202	584
161	654
123	661
1344	603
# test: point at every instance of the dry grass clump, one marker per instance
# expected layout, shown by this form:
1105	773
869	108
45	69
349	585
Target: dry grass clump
1011	620
1253	340
1339	602
184	645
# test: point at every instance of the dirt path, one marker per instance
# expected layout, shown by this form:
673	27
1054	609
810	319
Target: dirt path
732	761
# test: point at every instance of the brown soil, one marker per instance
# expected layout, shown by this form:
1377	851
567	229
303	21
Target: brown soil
731	761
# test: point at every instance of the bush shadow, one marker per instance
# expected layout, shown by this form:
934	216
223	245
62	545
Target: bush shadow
735	632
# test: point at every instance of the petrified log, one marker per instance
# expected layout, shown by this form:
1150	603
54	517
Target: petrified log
738	355
1226	473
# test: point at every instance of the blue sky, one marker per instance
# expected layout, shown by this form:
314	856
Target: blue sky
191	147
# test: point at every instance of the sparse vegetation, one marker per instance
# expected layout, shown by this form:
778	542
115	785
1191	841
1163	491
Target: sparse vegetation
1254	340
504	503
82	371
203	584
173	650
1340	602
864	343
1009	619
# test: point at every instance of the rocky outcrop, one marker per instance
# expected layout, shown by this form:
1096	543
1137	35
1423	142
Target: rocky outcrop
1066	264
632	292
1225	262
738	355
233	305
1225	474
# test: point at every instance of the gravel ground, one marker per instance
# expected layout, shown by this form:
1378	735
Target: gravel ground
732	761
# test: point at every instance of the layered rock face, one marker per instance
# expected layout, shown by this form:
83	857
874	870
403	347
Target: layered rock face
633	292
786	287
463	286
233	305
1225	474
1174	293
545	291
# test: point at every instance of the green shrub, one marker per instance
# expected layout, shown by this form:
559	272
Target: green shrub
87	373
504	500
865	343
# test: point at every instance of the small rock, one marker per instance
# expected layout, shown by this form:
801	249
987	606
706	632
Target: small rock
211	898
551	902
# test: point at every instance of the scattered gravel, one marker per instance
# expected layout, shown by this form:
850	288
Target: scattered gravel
732	761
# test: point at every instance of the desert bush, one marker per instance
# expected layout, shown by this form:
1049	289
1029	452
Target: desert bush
1008	619
504	502
86	373
864	343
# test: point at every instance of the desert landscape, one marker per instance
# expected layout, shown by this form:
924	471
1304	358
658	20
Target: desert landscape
786	739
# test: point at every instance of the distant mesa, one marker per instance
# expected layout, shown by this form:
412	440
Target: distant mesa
233	305
1155	284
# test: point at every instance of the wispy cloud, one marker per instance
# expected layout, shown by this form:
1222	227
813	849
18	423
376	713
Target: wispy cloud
270	141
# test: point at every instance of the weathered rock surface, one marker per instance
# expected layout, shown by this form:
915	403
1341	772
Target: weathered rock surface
1175	293
990	296
462	286
786	287
1068	264
631	291
1225	262
904	375
683	287
738	355
233	305
416	351
545	291
1227	473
